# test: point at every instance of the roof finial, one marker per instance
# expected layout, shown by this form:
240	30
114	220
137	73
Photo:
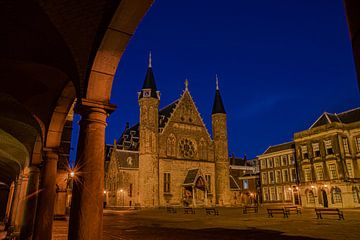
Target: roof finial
186	84
217	82
150	65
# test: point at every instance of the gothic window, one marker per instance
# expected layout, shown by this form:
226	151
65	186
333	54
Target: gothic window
166	182
171	143
187	148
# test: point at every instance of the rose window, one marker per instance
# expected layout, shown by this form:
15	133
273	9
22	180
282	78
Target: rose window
187	148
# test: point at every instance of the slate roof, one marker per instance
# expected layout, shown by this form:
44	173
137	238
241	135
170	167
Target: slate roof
149	83
190	177
280	147
129	139
349	116
218	106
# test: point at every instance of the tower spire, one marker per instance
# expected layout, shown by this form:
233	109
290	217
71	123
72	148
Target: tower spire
149	86
218	106
150	60
186	84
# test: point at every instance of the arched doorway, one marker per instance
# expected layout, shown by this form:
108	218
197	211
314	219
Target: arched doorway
324	198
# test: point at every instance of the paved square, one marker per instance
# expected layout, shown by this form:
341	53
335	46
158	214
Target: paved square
230	224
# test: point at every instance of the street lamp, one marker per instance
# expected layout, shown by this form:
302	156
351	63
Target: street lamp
122	192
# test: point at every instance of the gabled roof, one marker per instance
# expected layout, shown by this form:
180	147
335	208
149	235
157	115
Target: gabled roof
280	147
129	139
349	116
191	176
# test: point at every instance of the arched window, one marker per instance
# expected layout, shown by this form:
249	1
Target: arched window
310	196
171	146
355	193
336	195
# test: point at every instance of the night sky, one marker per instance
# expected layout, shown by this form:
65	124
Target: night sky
281	64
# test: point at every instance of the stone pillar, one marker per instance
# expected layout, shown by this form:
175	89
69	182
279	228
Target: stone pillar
10	200
19	208
88	189
30	202
46	201
14	202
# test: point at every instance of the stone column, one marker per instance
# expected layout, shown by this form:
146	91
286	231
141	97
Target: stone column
10	199
28	219
14	202
88	189
46	201
19	206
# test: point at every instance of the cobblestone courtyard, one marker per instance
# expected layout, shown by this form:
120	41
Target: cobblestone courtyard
230	224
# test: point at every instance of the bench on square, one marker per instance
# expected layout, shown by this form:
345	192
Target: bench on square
329	211
248	209
272	211
189	210
170	209
290	209
210	211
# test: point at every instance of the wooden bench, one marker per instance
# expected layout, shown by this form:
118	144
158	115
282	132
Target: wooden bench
170	209
189	210
329	211
248	209
290	209
272	211
210	211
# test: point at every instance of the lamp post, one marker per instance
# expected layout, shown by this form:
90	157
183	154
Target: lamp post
122	192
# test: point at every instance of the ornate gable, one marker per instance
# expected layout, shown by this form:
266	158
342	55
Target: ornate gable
185	135
186	116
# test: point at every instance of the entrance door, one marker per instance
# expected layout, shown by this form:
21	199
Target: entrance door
296	197
325	199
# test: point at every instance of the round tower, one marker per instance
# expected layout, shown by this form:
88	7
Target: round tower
149	99
220	138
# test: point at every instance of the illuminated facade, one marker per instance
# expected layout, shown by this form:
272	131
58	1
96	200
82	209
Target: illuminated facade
322	164
278	174
328	156
169	157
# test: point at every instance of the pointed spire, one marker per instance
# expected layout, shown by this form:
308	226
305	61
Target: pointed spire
186	84
218	106
150	60
149	87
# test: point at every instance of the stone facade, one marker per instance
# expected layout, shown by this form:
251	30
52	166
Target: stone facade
278	174
323	164
174	159
328	156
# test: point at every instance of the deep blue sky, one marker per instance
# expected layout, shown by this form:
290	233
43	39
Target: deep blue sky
280	63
